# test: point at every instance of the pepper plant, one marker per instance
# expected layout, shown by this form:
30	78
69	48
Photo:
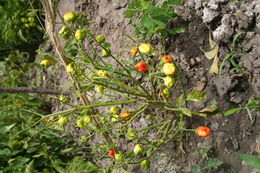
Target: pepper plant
99	73
149	18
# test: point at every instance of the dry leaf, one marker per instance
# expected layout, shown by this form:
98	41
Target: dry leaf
212	53
206	112
200	86
214	67
211	42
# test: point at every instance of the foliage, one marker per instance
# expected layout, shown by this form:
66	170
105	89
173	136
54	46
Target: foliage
15	73
46	150
19	25
24	149
237	67
209	163
98	71
250	159
149	19
252	105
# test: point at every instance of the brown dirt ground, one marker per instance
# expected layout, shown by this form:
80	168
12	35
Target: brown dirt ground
235	133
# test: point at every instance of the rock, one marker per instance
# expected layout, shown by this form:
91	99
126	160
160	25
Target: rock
223	85
236	97
209	15
225	30
214	126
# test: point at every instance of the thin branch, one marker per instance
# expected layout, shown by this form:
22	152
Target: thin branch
33	90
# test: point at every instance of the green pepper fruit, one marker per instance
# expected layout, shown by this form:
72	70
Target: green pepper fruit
145	164
131	136
63	121
100	89
105	52
69	16
169	81
138	149
80	34
65	32
80	123
63	99
119	156
114	110
167	93
100	39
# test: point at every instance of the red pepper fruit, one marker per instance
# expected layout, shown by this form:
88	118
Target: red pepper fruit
203	131
167	59
112	153
134	51
124	115
141	66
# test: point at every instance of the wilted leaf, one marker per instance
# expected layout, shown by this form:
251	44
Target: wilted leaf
206	112
196	95
251	160
200	85
214	66
212	53
211	42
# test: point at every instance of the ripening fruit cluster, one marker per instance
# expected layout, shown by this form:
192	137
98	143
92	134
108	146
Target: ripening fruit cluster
169	69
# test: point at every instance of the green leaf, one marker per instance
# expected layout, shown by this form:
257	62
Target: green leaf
30	167
140	30
79	165
5	152
231	111
195	169
252	103
56	164
151	23
185	111
144	4
6	129
235	39
249	159
196	95
149	151
67	150
130	13
212	163
175	2
181	101
179	30
160	14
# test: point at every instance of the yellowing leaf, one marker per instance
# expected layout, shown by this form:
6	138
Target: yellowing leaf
185	111
211	42
196	96
206	112
214	66
212	53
